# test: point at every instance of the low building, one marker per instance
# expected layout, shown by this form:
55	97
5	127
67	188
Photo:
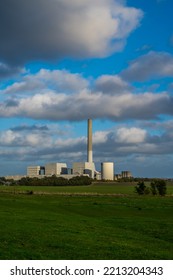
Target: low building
33	170
84	168
55	169
126	174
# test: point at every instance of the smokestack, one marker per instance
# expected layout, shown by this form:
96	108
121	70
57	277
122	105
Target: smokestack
89	146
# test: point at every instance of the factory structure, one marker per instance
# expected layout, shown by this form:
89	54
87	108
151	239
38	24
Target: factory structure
87	168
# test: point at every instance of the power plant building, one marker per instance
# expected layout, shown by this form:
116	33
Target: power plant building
55	169
107	170
78	168
83	168
33	170
126	174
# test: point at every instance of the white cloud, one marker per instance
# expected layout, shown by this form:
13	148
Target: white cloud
80	106
131	135
100	137
48	30
58	80
110	84
62	80
16	139
61	95
8	137
151	65
37	140
64	143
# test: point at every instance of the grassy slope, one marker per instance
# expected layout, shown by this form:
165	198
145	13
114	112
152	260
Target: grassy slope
59	227
96	188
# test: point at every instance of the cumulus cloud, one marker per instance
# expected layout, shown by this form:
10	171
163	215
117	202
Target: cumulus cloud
62	80
131	135
18	139
48	30
100	137
52	105
35	136
151	65
111	84
61	95
80	106
44	79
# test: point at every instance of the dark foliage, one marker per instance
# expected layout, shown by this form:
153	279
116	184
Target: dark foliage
141	188
158	187
2	181
55	181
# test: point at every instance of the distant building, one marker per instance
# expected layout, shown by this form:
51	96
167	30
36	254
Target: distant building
33	170
55	169
126	174
83	168
79	168
107	171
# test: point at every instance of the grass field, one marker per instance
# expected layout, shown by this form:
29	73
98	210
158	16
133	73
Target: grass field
103	221
126	188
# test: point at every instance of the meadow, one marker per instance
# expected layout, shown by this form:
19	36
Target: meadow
101	221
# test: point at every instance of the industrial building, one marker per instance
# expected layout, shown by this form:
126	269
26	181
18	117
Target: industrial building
35	170
60	169
126	174
55	169
79	168
86	168
107	171
82	168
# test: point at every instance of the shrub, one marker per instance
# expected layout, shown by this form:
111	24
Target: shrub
55	181
153	188
80	181
158	187
141	188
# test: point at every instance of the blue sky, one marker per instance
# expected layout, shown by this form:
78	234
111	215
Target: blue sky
64	61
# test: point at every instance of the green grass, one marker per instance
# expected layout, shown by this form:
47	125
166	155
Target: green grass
126	188
96	188
52	226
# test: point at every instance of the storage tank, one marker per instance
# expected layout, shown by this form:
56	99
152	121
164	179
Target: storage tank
107	170
126	174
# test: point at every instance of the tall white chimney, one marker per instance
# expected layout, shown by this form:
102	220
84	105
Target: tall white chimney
89	142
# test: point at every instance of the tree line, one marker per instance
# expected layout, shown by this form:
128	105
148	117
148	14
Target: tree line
48	181
157	187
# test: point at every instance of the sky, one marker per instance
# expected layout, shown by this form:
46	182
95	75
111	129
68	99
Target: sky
64	61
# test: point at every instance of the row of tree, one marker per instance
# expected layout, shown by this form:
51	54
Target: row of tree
48	181
3	181
157	187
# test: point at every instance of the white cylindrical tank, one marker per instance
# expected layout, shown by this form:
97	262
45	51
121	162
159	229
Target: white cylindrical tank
107	170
